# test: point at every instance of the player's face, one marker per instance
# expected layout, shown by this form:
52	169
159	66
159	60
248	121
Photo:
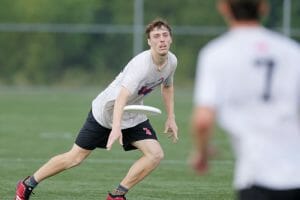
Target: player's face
160	40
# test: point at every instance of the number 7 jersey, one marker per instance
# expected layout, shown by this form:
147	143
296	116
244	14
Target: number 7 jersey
251	77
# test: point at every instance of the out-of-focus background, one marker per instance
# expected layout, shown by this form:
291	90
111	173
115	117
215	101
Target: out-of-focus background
87	42
56	55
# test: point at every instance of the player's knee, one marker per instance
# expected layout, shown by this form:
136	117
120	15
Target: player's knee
157	156
76	161
73	160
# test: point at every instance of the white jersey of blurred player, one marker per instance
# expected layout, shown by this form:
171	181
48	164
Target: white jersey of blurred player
256	94
140	77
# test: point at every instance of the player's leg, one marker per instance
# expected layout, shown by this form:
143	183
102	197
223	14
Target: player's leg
54	166
152	155
142	137
61	162
91	135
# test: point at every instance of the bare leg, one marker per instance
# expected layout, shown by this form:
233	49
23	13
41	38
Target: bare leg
153	154
61	162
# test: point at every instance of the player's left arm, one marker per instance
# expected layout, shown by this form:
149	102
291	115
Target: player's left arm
120	103
168	97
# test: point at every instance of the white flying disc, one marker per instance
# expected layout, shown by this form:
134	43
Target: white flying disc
148	110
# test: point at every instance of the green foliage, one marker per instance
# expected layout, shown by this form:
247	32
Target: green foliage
49	58
184	13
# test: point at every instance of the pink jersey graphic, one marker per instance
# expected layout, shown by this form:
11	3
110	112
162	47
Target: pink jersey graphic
149	87
148	132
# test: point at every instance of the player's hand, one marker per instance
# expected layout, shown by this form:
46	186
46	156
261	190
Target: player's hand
113	136
171	130
198	162
199	158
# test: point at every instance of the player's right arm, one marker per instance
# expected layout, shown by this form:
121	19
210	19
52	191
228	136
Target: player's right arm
119	105
206	99
202	128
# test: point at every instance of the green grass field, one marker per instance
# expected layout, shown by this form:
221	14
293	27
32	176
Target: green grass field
38	123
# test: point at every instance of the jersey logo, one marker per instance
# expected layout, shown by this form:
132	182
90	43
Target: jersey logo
146	89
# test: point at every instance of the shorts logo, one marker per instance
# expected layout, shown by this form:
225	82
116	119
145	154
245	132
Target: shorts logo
148	132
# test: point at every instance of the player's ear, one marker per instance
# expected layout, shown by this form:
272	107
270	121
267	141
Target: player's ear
223	8
148	41
264	8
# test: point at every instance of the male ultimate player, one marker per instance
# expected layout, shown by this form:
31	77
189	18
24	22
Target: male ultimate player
250	79
106	122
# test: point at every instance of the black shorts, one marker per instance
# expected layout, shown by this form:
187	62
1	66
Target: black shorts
262	193
92	135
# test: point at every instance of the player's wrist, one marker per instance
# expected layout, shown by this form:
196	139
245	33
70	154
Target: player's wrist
116	127
171	117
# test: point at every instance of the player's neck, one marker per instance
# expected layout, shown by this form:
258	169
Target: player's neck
238	24
159	61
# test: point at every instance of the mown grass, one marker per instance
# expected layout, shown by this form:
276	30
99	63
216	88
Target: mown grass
37	123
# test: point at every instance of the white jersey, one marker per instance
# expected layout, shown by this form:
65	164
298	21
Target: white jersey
251	76
140	76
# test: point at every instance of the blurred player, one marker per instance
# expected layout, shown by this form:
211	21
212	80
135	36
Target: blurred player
249	78
107	123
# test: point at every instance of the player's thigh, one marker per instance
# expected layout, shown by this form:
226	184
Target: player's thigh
142	131
78	153
149	147
92	134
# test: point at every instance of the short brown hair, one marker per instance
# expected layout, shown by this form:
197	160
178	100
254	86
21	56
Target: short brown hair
157	23
245	9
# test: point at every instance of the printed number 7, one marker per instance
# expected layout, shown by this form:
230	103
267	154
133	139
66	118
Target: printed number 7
269	64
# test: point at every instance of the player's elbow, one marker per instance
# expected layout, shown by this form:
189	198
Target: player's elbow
203	121
202	127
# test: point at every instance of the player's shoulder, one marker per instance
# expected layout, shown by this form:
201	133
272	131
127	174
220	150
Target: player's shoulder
218	41
142	55
140	59
172	55
282	40
217	46
172	58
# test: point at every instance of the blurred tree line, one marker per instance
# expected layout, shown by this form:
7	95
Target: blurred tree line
49	58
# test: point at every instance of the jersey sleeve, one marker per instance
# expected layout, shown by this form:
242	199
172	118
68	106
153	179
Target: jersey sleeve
206	83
